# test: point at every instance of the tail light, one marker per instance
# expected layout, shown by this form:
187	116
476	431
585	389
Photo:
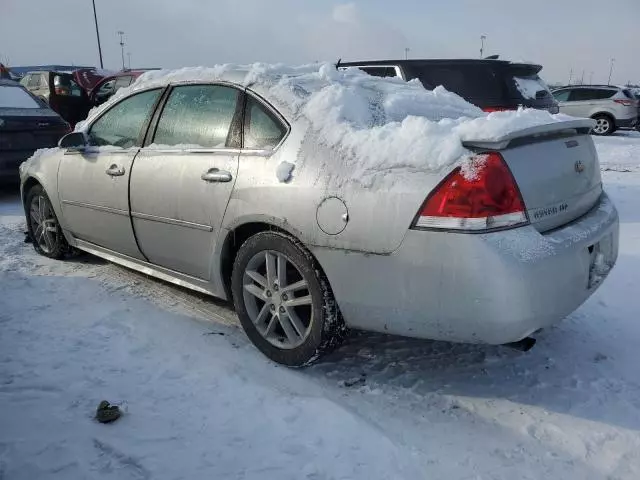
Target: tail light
484	199
497	109
626	103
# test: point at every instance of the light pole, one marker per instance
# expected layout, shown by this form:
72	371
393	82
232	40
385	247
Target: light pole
406	53
482	39
121	33
611	70
591	78
95	18
570	75
129	59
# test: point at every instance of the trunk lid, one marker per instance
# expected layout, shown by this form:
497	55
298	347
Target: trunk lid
556	168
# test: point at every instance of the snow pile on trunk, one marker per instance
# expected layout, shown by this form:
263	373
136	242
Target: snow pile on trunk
376	124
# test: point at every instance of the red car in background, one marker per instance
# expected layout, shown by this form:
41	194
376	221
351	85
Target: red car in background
105	88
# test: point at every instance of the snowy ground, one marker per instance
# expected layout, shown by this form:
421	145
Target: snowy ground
201	402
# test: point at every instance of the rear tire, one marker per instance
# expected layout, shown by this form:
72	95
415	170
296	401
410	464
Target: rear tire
44	230
604	125
284	300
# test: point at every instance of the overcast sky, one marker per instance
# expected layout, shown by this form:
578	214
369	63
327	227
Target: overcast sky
559	34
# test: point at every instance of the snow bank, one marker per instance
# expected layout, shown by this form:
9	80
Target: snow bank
381	123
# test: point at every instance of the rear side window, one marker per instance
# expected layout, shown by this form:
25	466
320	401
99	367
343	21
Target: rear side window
198	115
531	87
475	83
562	95
123	82
628	94
34	80
583	94
261	129
380	71
121	125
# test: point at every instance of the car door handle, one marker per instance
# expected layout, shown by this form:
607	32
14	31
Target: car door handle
115	171
216	175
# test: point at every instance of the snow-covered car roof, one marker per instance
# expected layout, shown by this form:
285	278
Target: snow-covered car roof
378	121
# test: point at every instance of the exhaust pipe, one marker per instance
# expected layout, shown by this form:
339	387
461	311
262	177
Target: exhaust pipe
523	345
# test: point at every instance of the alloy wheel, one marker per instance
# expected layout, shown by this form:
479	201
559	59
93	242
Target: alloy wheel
277	299
602	126
43	223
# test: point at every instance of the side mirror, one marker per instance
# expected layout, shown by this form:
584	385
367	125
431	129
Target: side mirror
74	141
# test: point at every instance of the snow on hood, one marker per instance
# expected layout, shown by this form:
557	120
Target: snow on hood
378	123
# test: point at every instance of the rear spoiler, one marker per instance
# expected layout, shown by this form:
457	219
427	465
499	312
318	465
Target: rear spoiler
580	125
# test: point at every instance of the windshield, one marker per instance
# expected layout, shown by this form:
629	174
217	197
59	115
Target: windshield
16	97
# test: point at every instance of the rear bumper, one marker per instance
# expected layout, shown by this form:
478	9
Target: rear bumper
487	288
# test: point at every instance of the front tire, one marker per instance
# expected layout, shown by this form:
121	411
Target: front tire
42	223
284	301
604	125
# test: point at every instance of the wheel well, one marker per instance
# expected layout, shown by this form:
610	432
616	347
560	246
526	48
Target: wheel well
28	185
232	244
605	114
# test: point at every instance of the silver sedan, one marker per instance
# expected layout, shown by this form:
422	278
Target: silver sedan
213	185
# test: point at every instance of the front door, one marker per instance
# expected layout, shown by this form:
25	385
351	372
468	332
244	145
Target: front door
182	182
94	183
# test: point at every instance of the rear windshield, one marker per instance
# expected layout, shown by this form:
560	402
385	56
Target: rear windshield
487	85
16	97
478	84
531	87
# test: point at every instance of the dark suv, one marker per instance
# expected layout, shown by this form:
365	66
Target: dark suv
490	84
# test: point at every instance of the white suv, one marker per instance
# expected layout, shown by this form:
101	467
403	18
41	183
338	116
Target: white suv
610	106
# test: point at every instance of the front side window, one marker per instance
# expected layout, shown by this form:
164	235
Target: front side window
106	89
121	125
261	129
198	116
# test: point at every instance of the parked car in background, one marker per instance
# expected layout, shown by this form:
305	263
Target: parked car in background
26	124
189	179
61	91
4	73
610	106
490	84
106	87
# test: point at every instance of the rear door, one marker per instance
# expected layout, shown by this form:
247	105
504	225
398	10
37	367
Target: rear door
94	184
182	181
